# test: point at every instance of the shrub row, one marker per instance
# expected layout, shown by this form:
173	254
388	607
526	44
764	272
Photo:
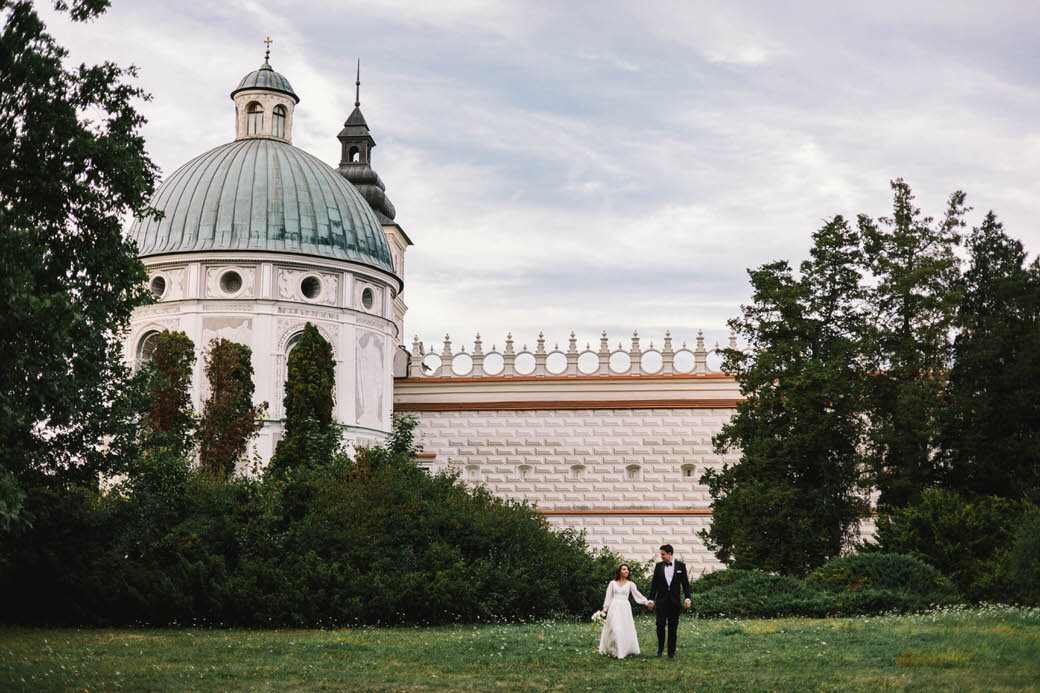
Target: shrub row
370	540
847	586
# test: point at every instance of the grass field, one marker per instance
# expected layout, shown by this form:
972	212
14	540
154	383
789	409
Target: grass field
978	649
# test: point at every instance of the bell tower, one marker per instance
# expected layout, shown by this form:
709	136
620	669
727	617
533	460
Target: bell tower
355	139
355	165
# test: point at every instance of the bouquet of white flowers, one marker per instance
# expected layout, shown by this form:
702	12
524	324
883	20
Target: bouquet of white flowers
599	616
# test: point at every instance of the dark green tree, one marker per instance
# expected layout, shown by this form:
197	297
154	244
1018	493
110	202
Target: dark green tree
909	345
794	499
991	432
72	168
169	420
307	402
229	418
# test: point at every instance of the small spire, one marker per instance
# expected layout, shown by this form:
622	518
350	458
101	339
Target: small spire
267	53
357	85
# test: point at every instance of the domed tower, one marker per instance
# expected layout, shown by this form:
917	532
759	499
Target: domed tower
356	144
256	239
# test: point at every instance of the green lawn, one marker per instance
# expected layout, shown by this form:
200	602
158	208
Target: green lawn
956	650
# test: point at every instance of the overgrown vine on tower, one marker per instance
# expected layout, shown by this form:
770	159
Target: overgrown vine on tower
229	418
169	420
307	402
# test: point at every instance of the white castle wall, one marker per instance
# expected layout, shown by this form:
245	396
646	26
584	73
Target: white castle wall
636	483
609	441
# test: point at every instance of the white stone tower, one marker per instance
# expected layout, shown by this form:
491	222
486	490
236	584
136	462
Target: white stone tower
257	239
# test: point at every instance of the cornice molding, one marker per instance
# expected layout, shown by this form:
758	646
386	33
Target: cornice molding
536	405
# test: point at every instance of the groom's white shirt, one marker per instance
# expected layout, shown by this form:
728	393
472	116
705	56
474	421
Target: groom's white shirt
669	571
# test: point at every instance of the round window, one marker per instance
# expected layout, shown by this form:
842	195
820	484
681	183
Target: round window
231	282
158	287
367	299
310	287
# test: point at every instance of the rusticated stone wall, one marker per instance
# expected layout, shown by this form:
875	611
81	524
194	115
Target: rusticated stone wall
628	477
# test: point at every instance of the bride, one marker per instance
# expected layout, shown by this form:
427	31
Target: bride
619	630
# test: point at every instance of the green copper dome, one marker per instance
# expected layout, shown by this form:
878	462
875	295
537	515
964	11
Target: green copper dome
264	195
265	77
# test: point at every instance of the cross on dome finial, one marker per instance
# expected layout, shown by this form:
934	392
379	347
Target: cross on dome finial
357	86
267	53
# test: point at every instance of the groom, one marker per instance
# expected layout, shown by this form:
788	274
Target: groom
668	576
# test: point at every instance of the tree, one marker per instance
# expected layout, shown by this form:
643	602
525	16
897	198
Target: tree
229	418
991	431
308	399
794	499
169	420
74	167
908	346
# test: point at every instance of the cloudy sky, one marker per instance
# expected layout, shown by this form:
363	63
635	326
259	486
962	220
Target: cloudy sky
594	165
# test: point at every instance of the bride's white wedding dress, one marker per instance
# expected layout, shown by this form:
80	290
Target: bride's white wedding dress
619	630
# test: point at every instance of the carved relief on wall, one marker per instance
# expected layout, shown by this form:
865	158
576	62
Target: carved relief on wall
222	283
371	377
323	314
368	297
139	333
149	311
288	284
331	284
233	329
289	327
308	286
174	285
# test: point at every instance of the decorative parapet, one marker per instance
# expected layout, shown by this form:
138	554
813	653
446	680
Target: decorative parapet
572	362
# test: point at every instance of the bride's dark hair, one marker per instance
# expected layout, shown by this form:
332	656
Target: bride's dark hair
617	573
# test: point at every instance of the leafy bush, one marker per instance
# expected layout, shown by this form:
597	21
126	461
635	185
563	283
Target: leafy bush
846	586
754	594
861	572
717	578
1023	563
967	540
374	539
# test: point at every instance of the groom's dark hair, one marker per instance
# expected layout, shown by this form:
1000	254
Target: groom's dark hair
667	548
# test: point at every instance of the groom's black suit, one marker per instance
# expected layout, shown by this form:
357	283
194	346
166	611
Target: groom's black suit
667	602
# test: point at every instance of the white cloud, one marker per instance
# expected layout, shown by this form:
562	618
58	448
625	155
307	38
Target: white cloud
609	165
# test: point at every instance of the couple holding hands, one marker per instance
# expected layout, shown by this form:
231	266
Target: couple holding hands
619	629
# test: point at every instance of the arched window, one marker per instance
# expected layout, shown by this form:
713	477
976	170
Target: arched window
354	156
472	473
146	348
279	121
254	119
525	471
632	472
688	472
577	471
291	344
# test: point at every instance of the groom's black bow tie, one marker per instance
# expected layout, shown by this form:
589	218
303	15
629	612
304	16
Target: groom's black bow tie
667	565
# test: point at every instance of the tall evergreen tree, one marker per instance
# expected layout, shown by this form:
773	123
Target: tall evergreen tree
229	418
794	499
169	420
308	399
909	345
991	436
72	167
